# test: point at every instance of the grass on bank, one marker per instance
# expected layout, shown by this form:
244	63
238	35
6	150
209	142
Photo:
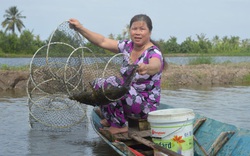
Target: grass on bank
246	79
14	68
201	60
14	55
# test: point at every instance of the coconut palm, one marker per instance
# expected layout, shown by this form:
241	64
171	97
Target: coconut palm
125	32
13	20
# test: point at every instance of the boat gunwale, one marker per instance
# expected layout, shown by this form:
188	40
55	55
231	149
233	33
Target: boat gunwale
93	123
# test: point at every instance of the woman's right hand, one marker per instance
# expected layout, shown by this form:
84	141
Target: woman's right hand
94	37
74	24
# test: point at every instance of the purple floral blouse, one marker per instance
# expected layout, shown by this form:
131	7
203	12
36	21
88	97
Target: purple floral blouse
148	86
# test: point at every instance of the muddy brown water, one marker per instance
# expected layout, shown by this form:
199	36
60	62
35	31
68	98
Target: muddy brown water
227	104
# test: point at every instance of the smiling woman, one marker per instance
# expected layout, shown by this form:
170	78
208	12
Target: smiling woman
144	93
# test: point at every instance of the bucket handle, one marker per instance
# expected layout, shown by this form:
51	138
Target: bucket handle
173	131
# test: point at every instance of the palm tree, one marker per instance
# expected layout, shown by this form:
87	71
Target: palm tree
13	20
125	32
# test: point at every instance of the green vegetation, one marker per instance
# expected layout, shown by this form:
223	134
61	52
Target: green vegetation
26	43
230	46
10	43
246	79
201	60
13	45
13	20
14	68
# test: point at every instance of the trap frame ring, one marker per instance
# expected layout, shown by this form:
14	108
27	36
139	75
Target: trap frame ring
55	63
46	60
77	71
31	63
28	90
103	75
51	97
52	35
36	86
84	115
50	123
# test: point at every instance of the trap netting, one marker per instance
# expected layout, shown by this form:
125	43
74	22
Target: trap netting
62	68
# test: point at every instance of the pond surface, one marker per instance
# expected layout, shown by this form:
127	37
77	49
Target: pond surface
226	104
18	138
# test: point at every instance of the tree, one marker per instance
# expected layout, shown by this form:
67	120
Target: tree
13	20
125	32
204	43
234	43
172	46
189	46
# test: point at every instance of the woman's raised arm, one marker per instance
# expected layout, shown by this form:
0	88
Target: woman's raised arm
95	38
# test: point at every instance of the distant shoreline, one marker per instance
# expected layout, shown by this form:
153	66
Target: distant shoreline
207	75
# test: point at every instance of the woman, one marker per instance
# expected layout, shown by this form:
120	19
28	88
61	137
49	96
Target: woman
144	94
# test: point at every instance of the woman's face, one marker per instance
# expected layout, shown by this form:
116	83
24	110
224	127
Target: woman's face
140	33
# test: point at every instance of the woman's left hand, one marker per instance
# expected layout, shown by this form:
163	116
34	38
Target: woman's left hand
152	68
142	69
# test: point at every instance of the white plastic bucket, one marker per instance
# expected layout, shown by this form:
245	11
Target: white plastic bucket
173	129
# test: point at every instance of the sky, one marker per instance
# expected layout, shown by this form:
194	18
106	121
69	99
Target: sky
171	18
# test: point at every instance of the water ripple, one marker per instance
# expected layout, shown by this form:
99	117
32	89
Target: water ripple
226	104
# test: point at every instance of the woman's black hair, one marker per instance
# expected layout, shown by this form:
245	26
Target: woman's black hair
142	17
148	21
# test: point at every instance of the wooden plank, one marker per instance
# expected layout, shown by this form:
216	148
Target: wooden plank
124	148
198	123
138	124
219	142
125	136
152	145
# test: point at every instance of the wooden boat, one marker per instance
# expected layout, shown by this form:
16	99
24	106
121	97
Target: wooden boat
211	137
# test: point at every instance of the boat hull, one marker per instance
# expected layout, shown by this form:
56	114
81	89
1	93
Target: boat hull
210	136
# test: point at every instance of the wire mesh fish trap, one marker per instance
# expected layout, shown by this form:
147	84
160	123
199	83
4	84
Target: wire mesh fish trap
66	71
56	71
